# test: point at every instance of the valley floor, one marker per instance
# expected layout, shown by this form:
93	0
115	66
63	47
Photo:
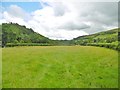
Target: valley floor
59	67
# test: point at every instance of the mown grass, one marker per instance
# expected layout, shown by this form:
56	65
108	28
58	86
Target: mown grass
59	67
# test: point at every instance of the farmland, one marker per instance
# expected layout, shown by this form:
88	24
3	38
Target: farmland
59	67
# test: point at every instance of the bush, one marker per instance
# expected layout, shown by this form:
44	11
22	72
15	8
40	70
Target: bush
106	45
27	44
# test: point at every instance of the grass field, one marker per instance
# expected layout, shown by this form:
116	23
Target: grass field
59	67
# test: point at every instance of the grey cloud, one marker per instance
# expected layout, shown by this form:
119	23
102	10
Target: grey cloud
59	9
100	14
95	28
74	26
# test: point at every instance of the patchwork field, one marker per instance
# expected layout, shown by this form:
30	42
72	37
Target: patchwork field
59	67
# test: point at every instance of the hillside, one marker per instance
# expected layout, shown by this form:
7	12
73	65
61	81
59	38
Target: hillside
107	39
15	34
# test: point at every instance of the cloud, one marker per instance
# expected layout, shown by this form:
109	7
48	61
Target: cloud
17	12
62	34
66	20
10	18
59	9
77	15
74	26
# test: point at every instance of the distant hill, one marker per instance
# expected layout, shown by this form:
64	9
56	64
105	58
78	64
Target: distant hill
107	39
12	33
17	35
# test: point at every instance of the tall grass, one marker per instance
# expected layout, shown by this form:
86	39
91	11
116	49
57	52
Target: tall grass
60	67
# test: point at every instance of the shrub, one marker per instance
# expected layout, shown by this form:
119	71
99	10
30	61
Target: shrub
27	44
106	45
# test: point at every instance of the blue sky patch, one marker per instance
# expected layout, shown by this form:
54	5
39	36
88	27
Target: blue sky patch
27	6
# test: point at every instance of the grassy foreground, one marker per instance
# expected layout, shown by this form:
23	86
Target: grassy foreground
59	66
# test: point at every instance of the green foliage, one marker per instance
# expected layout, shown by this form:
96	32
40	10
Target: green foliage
107	45
16	34
108	39
27	44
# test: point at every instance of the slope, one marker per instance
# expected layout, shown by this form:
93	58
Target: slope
107	39
13	33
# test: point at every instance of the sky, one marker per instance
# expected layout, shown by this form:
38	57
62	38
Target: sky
62	20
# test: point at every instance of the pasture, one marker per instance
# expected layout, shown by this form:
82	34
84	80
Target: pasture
59	67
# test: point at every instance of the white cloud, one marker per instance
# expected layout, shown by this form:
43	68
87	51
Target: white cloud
63	34
10	18
16	11
66	20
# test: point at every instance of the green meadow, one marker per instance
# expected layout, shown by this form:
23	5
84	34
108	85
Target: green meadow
59	67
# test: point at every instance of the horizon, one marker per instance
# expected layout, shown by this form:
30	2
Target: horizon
62	39
62	20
